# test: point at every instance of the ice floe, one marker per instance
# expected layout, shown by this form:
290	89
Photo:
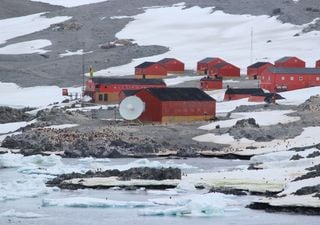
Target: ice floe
12	213
206	205
86	202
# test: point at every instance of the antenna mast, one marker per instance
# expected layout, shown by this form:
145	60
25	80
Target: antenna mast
83	67
251	47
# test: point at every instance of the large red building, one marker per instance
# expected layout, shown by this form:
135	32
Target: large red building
290	61
224	70
206	63
176	105
172	65
318	64
254	71
239	93
286	79
209	83
150	70
105	90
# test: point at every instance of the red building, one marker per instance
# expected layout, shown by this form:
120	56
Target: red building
318	64
254	71
150	70
206	63
286	79
290	61
106	90
239	93
209	83
224	70
172	65
176	105
265	97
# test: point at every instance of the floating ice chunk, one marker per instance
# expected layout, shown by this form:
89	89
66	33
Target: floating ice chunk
23	188
86	202
185	187
91	159
213	204
12	213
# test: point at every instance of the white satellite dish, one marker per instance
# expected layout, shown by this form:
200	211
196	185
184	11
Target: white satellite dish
131	108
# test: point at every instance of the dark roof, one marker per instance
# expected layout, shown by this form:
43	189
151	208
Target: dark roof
284	59
145	65
285	70
115	80
208	59
211	79
258	64
269	95
130	92
244	91
179	94
165	60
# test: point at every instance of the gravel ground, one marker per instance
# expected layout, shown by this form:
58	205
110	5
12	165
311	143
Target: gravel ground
50	69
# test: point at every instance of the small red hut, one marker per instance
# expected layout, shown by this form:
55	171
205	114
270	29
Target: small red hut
239	93
150	70
286	79
176	105
254	71
318	64
290	61
224	70
172	65
209	83
206	63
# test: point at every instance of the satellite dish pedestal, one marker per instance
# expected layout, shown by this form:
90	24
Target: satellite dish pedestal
131	108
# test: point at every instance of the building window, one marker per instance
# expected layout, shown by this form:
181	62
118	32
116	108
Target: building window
269	78
105	97
318	78
291	78
100	97
282	78
300	78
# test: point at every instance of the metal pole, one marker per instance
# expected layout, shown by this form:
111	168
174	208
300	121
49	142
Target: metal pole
251	46
83	68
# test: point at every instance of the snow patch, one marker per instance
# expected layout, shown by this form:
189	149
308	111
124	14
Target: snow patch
12	213
20	26
70	53
70	3
27	47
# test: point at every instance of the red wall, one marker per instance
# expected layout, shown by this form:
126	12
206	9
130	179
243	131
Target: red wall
188	108
206	66
318	64
251	72
153	107
154	69
228	97
120	87
274	82
210	84
228	70
293	62
256	99
173	66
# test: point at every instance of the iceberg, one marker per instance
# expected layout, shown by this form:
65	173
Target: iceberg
87	202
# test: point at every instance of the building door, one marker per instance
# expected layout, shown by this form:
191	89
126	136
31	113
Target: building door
105	97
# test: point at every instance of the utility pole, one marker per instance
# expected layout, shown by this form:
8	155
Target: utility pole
251	47
83	68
